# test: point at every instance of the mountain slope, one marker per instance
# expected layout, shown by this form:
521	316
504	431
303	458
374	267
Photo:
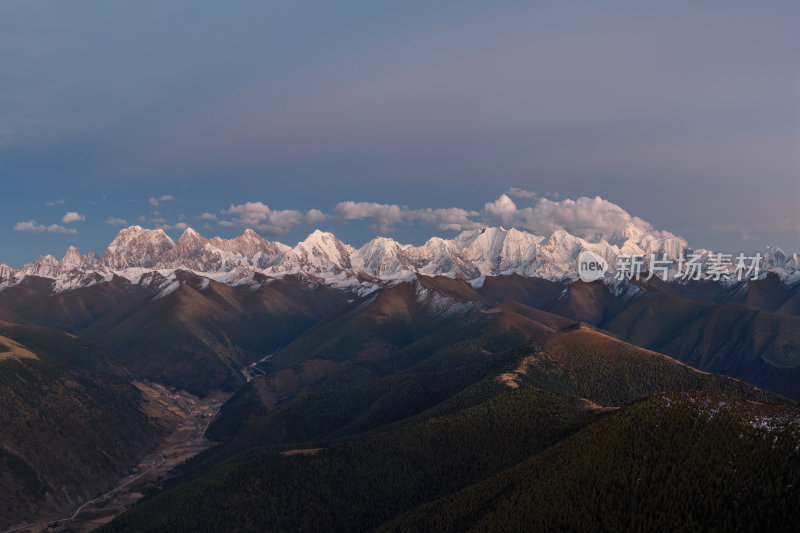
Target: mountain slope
390	331
201	334
582	361
70	422
357	482
354	485
402	330
762	348
622	474
575	361
33	301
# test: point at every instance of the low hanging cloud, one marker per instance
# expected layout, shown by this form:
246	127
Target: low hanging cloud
386	215
53	204
261	218
113	221
592	219
154	201
167	227
522	193
451	218
588	218
35	227
72	216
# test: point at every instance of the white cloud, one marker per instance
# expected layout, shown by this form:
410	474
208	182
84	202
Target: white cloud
53	204
588	218
167	227
32	225
383	214
522	193
314	217
72	216
386	215
155	201
261	218
503	208
452	218
112	221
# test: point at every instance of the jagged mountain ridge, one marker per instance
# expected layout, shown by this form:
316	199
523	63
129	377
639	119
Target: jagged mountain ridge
472	254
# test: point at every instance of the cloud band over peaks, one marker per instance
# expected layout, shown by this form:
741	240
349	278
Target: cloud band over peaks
261	218
386	215
593	219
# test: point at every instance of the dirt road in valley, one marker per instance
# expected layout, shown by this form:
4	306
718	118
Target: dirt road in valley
190	416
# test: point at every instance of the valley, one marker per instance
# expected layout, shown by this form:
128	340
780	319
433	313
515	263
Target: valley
158	397
190	416
348	267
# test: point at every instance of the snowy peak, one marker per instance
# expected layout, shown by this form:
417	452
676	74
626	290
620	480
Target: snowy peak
488	236
320	238
322	257
48	266
320	252
210	255
7	273
191	238
72	258
136	247
787	266
45	266
385	258
497	250
441	256
258	251
187	248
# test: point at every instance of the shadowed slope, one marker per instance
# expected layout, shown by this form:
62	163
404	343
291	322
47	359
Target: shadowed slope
33	301
759	347
70	422
445	443
200	335
678	461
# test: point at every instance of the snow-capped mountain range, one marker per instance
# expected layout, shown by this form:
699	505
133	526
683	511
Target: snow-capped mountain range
151	257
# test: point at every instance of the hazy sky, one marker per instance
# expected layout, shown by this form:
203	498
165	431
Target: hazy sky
405	118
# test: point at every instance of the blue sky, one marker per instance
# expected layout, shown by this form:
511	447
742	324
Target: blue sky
684	113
